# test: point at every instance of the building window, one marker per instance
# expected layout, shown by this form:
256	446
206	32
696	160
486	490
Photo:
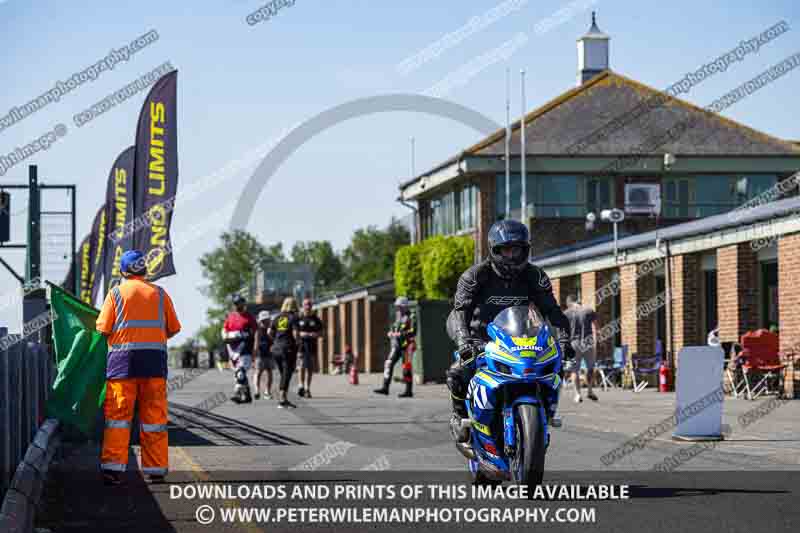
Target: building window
467	208
711	194
599	194
559	196
677	197
443	215
552	195
453	212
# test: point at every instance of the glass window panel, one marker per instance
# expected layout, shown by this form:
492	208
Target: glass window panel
591	193
714	195
759	183
605	193
558	196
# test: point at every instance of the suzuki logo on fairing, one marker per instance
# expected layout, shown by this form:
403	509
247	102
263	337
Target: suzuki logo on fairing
507	300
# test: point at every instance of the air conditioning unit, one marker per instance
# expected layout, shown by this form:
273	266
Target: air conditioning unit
643	198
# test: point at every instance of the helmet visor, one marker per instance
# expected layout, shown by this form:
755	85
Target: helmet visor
512	253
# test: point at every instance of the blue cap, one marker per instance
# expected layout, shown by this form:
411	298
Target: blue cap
132	262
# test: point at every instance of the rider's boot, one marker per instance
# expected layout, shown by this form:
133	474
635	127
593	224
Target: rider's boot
552	416
385	388
457	379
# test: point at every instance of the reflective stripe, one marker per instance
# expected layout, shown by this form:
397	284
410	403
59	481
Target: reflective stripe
160	314
118	423
120	324
114	467
138	324
155	470
140	346
154	428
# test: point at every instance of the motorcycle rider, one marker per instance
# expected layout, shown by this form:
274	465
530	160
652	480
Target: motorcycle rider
400	334
504	279
238	332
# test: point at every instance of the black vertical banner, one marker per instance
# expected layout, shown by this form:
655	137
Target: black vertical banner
85	270
119	216
98	250
156	176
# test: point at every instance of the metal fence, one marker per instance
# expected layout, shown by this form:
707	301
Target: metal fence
27	372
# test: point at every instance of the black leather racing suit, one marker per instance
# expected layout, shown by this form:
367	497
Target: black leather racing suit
480	287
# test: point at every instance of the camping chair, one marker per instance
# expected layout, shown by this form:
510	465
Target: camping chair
643	366
611	369
734	382
761	362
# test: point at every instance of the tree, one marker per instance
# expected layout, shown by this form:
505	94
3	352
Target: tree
370	255
230	268
328	267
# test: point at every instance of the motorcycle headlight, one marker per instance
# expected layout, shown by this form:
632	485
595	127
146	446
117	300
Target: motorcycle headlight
503	368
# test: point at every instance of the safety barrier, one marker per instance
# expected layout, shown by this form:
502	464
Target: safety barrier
27	372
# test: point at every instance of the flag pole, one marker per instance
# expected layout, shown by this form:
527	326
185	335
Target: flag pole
523	155
508	144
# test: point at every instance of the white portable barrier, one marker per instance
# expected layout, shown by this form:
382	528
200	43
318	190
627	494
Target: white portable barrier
699	394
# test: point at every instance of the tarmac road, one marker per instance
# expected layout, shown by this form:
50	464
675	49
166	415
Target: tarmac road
346	436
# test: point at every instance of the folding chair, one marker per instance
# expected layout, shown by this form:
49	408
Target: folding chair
611	369
643	366
733	382
761	359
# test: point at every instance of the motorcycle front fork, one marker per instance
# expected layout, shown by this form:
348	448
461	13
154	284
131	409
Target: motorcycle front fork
510	438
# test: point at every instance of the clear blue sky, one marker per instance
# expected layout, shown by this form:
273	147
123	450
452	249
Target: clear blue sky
242	85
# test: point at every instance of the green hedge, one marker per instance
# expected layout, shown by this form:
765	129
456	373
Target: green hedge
430	269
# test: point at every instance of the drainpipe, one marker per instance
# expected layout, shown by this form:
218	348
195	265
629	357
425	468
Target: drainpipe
417	221
669	348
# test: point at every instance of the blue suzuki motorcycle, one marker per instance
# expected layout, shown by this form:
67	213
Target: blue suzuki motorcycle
508	399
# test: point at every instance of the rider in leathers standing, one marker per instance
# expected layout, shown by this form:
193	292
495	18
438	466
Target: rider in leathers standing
506	278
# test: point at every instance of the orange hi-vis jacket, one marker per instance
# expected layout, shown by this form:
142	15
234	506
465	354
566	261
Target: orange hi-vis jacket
138	317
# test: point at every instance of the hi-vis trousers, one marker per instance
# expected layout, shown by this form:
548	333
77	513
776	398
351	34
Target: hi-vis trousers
121	395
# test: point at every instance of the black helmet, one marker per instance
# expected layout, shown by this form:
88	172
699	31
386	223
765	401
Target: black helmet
514	234
238	299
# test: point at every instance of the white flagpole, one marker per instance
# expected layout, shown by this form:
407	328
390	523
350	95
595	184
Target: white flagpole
508	143
523	153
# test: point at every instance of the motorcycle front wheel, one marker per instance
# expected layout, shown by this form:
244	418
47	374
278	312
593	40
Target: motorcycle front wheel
527	465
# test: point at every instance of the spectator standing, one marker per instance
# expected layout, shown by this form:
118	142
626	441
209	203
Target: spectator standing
265	361
583	339
310	329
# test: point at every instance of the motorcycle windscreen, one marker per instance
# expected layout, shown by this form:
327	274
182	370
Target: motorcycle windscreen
519	321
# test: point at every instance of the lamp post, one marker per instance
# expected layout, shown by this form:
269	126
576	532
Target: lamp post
615	217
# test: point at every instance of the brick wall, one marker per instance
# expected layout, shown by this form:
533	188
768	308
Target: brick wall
378	326
556	282
324	342
345	331
737	290
568	285
357	331
789	310
638	332
486	212
686	308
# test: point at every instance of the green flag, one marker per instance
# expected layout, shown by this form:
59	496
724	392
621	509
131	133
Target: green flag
80	386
